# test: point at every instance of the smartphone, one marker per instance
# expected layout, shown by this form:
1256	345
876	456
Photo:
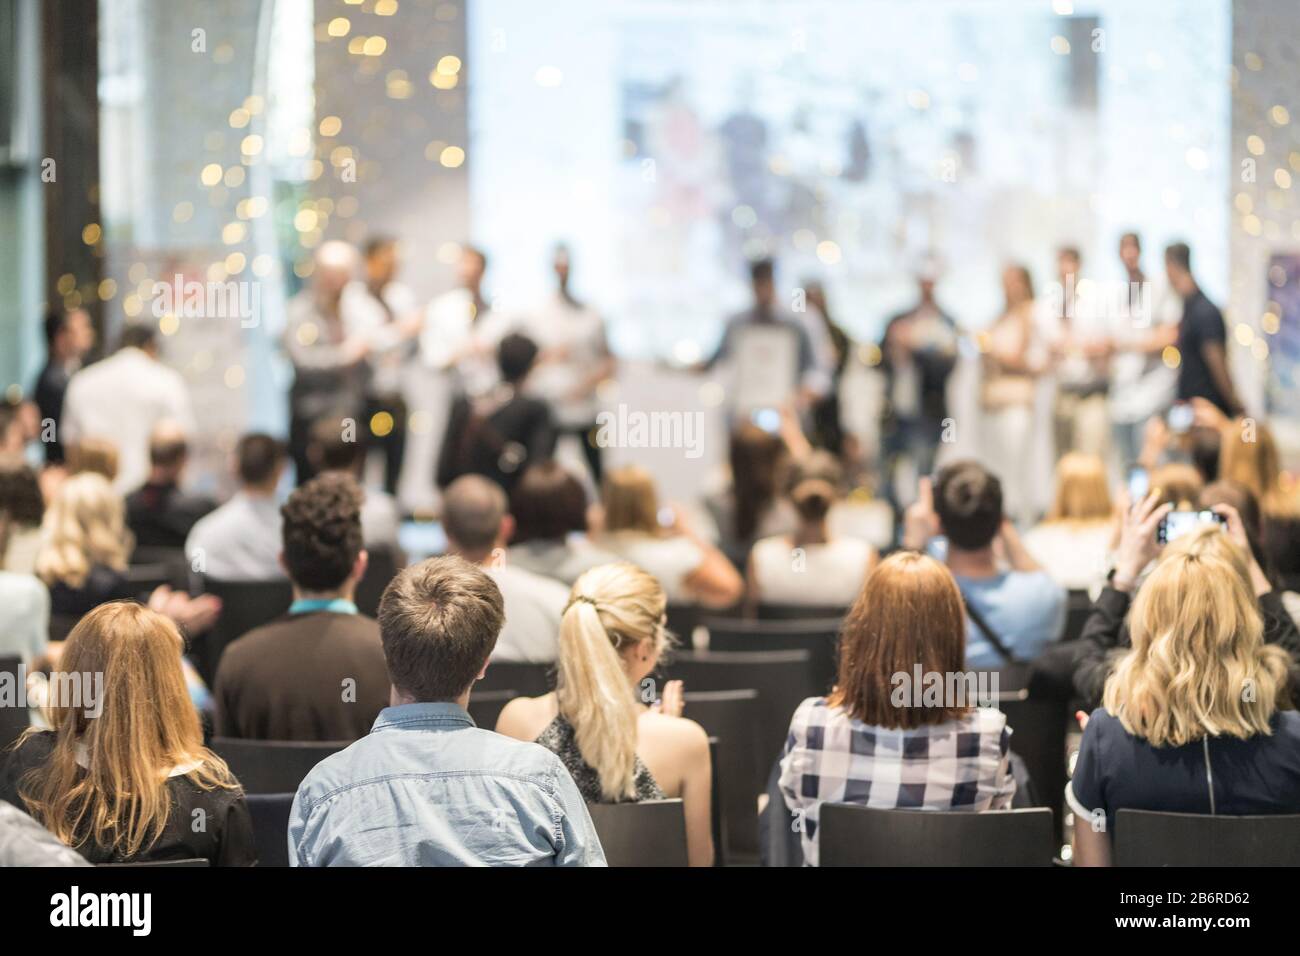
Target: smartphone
1177	523
768	419
667	517
1180	418
1139	484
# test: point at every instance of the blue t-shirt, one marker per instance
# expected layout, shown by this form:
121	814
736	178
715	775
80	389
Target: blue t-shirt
1025	609
1252	777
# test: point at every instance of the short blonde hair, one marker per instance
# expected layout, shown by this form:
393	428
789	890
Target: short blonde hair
1082	493
84	525
1198	666
631	502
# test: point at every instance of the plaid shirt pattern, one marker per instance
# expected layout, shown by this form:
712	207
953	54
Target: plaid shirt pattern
832	758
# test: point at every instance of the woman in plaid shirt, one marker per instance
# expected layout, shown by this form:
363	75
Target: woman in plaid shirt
881	738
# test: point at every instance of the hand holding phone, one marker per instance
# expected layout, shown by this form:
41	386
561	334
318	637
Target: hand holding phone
1178	523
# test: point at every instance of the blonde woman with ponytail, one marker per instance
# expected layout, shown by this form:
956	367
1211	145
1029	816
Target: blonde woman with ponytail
618	747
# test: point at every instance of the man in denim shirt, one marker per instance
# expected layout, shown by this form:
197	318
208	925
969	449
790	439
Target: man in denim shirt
426	787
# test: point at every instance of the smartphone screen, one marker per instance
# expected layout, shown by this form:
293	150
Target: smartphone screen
1181	417
1178	523
1139	484
768	419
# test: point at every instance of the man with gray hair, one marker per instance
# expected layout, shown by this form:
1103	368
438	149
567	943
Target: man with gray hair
478	527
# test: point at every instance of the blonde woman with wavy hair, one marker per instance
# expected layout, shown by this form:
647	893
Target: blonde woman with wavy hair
599	720
123	775
1197	716
84	545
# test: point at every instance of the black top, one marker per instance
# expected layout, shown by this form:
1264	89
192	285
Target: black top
51	386
933	368
161	516
225	839
314	676
497	436
1105	633
1202	325
1252	777
102	584
560	738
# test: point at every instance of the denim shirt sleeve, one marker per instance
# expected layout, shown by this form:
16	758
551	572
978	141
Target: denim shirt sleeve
297	826
580	846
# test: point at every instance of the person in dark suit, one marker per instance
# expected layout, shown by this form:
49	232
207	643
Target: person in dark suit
318	672
69	336
501	433
159	513
1203	370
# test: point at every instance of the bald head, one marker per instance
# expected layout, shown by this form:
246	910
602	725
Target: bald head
336	264
474	516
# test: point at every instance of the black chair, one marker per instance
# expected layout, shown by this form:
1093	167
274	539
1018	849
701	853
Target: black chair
652	833
154	863
850	835
244	606
783	680
381	569
273	766
143	579
717	822
1078	606
13	718
801	612
61	626
1147	838
270	814
731	718
527	680
779	829
820	637
485	706
1038	733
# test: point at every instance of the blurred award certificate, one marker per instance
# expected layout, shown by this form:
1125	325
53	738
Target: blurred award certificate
766	360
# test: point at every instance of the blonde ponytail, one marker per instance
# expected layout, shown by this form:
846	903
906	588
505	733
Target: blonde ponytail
610	608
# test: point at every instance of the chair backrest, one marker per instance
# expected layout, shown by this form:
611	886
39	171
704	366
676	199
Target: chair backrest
652	833
143	579
273	766
528	680
142	863
1077	608
778	827
801	612
717	821
380	570
1147	838
13	715
485	706
1038	734
783	679
244	606
270	815
819	637
731	718
851	835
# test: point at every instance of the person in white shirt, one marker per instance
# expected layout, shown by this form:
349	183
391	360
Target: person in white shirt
1141	385
328	336
122	398
335	447
24	615
478	527
574	360
1073	544
240	541
810	567
462	329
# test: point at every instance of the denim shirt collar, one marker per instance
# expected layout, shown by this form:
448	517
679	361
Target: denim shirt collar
442	714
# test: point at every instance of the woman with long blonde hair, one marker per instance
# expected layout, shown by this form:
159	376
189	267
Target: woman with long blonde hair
1073	541
84	545
1197	716
600	720
123	776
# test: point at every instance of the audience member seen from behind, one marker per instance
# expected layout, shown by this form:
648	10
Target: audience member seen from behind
617	748
240	541
751	506
478	527
125	780
549	508
1015	608
334	449
502	432
22	509
1177	733
159	513
85	547
811	566
426	787
690	570
318	672
1073	542
873	740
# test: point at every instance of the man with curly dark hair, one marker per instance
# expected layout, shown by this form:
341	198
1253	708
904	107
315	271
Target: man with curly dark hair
317	673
